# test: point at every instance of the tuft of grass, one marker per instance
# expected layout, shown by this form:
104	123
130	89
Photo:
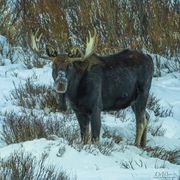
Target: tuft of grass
154	105
33	96
156	130
121	114
26	126
22	165
173	65
111	135
127	164
106	147
162	153
131	164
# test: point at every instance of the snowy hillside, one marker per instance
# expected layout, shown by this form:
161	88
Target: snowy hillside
116	157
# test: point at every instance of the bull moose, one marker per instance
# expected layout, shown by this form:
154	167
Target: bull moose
94	83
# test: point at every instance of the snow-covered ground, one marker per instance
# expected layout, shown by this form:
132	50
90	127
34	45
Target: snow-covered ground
126	161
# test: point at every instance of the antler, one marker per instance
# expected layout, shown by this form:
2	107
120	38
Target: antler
75	53
91	43
35	39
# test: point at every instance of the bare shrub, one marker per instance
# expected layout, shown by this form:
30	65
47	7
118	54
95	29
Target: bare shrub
29	125
18	128
154	105
106	147
131	164
31	61
24	166
121	114
161	165
162	153
127	165
157	129
30	95
111	135
173	65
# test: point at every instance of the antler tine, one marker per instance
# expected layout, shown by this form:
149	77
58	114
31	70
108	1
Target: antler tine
91	43
34	39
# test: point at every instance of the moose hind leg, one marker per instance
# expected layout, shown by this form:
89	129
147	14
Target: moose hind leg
144	136
141	130
141	120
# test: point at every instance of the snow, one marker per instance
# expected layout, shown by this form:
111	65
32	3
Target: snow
96	166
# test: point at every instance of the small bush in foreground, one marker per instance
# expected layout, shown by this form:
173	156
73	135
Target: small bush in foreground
30	95
106	147
24	166
29	125
161	153
130	164
156	130
153	104
111	135
121	114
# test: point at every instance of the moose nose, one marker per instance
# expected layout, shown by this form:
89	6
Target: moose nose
62	76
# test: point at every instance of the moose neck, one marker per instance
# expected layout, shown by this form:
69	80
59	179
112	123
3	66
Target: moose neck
80	68
73	83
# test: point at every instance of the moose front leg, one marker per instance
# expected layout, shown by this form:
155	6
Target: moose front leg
62	102
95	125
83	120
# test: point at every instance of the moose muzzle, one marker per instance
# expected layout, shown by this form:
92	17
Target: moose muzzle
61	82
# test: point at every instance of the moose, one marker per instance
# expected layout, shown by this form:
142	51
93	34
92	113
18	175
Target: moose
94	83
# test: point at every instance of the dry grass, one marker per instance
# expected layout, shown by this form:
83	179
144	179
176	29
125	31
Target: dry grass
162	153
132	164
24	126
154	105
20	165
111	135
33	96
156	129
105	147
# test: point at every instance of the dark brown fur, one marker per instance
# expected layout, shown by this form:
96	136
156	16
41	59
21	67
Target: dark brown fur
108	83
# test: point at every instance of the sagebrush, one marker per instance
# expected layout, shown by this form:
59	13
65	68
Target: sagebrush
34	96
21	165
29	125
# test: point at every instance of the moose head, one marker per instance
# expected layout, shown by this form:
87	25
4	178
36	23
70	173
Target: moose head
63	63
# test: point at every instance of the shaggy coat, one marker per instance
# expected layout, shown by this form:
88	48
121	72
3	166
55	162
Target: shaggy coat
106	83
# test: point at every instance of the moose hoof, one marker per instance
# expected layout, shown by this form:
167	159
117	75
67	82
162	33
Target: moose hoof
142	145
85	140
95	140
